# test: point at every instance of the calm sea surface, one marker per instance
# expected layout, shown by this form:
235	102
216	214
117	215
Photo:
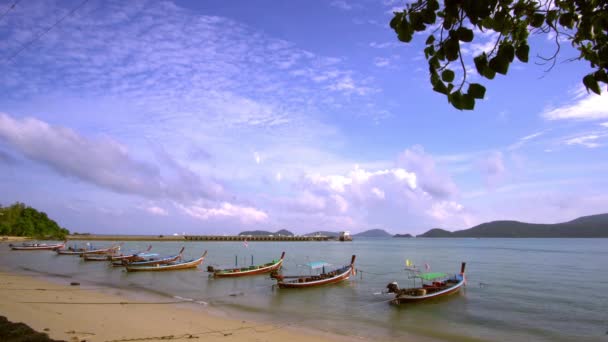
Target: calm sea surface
518	289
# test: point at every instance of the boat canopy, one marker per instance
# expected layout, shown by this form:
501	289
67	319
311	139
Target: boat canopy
431	275
317	264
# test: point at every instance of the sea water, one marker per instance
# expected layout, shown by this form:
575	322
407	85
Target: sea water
517	289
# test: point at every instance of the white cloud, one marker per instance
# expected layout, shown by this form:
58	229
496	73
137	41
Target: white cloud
341	4
585	107
445	209
102	161
379	193
604	124
257	158
225	210
382	62
492	168
157	211
589	141
431	180
522	141
384	45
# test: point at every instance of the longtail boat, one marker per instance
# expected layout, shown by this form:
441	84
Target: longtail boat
84	251
324	278
433	285
247	271
36	246
153	261
176	265
131	256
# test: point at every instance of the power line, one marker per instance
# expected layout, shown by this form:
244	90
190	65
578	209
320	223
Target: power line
26	45
9	9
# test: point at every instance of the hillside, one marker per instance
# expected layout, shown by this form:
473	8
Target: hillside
375	233
283	232
583	227
403	236
323	233
21	220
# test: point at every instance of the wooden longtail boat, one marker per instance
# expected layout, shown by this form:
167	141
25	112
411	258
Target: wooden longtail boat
36	246
84	251
247	271
96	257
434	285
302	281
154	261
130	257
176	265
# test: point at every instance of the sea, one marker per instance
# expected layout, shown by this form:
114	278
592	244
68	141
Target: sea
517	289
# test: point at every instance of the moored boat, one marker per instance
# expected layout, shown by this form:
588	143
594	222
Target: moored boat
151	261
324	278
176	265
84	251
131	256
37	246
247	271
433	285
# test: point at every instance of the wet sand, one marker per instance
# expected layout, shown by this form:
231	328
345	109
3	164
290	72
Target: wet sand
75	313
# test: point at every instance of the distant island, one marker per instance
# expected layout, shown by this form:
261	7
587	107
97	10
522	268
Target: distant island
21	220
375	233
594	226
323	233
282	232
403	236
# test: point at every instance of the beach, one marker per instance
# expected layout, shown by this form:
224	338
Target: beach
80	313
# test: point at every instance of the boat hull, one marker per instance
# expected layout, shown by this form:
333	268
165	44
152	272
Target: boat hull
38	248
263	270
297	284
403	299
167	267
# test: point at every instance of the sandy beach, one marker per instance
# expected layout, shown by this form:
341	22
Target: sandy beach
77	313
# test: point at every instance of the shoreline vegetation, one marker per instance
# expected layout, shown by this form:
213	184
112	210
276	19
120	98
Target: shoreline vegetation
81	314
21	220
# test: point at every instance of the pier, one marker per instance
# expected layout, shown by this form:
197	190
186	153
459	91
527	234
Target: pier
92	237
257	238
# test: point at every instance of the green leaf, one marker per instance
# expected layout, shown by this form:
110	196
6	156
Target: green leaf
447	75
507	51
430	40
467	102
499	64
451	48
489	73
591	84
396	21
522	52
481	63
455	99
537	20
476	90
464	34
440	88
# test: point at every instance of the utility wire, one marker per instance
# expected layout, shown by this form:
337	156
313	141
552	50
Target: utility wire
26	45
9	9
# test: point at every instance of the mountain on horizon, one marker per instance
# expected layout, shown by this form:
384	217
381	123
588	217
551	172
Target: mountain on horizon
376	233
282	232
323	233
592	226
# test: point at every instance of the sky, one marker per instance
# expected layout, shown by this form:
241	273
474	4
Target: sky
150	117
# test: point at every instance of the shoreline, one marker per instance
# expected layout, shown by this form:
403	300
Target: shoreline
85	312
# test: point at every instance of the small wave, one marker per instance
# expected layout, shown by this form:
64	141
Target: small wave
191	300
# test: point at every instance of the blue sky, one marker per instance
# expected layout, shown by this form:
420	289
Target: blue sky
215	117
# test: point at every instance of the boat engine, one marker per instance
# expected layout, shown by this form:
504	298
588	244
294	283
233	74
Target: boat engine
393	287
210	269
